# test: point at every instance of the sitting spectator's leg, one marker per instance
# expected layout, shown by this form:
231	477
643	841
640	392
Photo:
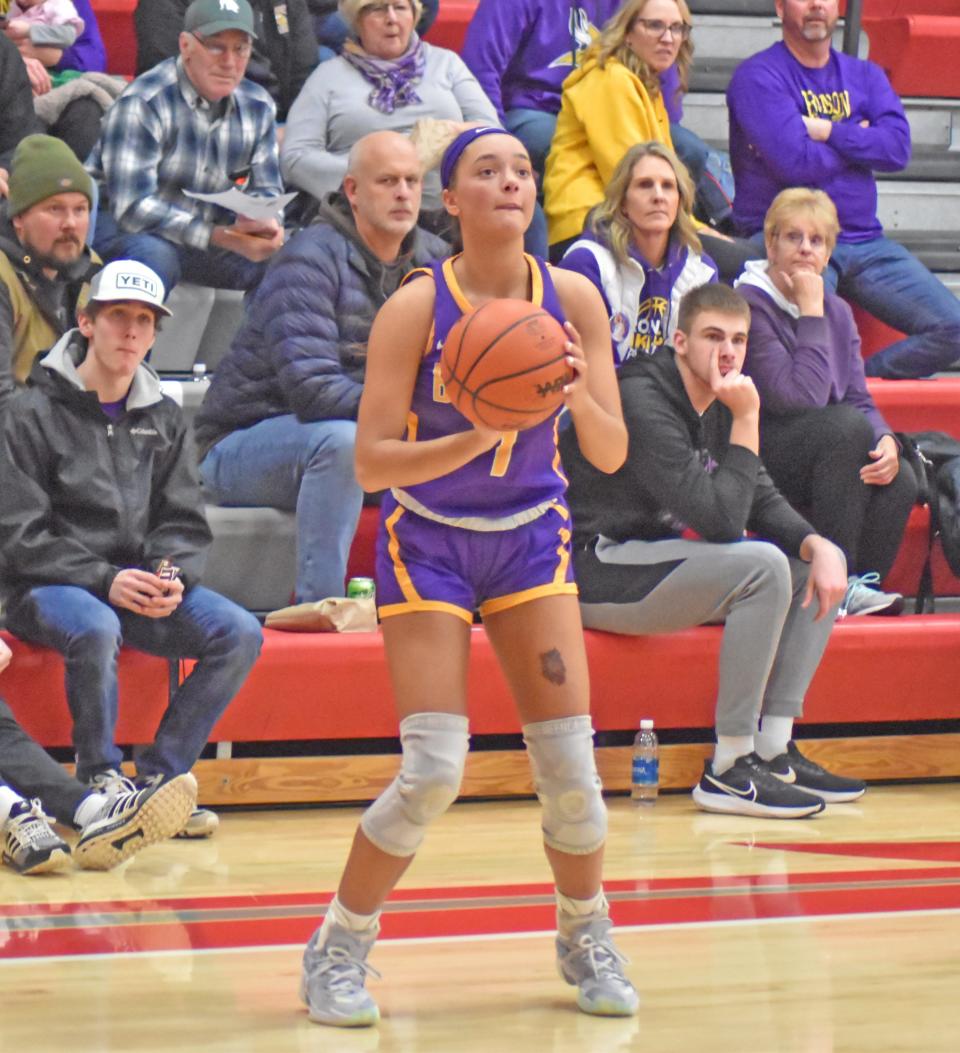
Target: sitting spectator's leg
885	520
534	129
730	255
814	457
226	641
28	769
79	126
220	269
158	254
691	149
299	466
893	285
86	632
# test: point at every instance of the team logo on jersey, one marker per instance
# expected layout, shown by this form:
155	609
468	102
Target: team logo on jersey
582	33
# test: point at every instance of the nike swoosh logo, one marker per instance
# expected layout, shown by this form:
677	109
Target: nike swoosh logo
750	794
789	776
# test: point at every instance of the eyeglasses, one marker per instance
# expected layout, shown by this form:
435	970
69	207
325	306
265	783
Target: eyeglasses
656	28
382	10
796	238
218	50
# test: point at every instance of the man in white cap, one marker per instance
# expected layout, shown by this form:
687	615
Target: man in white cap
192	123
103	536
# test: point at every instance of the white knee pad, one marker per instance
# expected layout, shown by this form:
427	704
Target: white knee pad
567	784
434	751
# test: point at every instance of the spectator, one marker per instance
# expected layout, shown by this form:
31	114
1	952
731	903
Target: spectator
692	465
103	538
191	124
609	104
43	23
386	79
87	54
112	828
521	51
278	423
44	262
18	118
332	31
284	47
641	249
822	438
804	114
25	85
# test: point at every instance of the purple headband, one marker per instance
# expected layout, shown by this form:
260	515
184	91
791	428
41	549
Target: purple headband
452	153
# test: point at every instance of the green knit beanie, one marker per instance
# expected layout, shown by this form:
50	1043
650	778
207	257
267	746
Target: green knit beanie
44	166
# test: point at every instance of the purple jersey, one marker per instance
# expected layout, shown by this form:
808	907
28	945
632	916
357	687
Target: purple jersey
522	472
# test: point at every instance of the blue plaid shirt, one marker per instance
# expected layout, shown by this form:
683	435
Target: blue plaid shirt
161	138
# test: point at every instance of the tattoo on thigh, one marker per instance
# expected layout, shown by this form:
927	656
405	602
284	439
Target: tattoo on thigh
552	667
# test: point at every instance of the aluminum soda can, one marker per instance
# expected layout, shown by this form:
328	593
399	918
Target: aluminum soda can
361	589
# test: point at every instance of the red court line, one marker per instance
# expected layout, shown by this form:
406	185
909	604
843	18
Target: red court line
760	897
927	851
704	883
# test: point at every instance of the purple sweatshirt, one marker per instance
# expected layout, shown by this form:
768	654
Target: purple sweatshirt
521	50
87	52
804	363
770	149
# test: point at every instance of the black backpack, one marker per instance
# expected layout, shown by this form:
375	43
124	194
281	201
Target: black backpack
935	459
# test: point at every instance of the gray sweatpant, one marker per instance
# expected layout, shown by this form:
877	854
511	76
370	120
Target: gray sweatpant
771	645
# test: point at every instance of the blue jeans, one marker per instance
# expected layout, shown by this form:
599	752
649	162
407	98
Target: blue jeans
534	129
224	638
306	467
213	267
894	286
691	149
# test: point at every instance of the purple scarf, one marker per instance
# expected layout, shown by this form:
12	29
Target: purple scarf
392	79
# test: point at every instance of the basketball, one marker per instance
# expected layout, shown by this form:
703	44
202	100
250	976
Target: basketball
504	366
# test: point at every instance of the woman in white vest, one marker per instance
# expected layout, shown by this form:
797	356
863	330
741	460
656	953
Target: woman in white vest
641	249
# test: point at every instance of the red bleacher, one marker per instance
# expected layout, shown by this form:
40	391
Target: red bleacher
328	686
917	51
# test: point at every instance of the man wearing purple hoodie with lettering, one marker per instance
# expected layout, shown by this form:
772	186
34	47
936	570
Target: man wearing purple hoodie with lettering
803	114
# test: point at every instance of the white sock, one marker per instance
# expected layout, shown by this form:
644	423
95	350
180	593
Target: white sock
7	800
773	736
569	908
88	810
338	914
729	749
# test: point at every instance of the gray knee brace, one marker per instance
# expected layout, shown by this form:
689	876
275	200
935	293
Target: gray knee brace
566	781
434	751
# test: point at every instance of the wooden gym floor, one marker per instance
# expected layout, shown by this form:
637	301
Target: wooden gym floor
839	934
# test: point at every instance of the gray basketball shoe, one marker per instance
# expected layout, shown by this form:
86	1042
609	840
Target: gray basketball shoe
332	983
587	959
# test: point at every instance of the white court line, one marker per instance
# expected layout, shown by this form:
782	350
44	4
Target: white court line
411	941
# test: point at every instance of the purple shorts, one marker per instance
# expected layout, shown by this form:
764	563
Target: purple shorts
428	566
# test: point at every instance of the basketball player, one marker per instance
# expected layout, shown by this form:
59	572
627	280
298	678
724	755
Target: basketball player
475	519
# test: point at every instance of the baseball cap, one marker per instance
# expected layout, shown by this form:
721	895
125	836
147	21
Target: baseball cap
129	280
208	17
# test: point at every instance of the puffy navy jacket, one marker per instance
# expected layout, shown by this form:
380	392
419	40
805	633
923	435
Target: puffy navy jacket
303	343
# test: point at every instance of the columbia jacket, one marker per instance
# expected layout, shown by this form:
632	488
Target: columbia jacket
84	497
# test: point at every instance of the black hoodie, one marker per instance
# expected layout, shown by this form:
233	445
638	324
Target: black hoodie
681	472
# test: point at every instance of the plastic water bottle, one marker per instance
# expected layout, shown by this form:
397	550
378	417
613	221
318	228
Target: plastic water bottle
645	774
199	372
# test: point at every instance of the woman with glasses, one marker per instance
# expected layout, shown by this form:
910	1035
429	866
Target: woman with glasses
822	438
386	78
641	250
610	103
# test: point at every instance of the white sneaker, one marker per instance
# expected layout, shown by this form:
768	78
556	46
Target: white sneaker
131	820
30	845
587	959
